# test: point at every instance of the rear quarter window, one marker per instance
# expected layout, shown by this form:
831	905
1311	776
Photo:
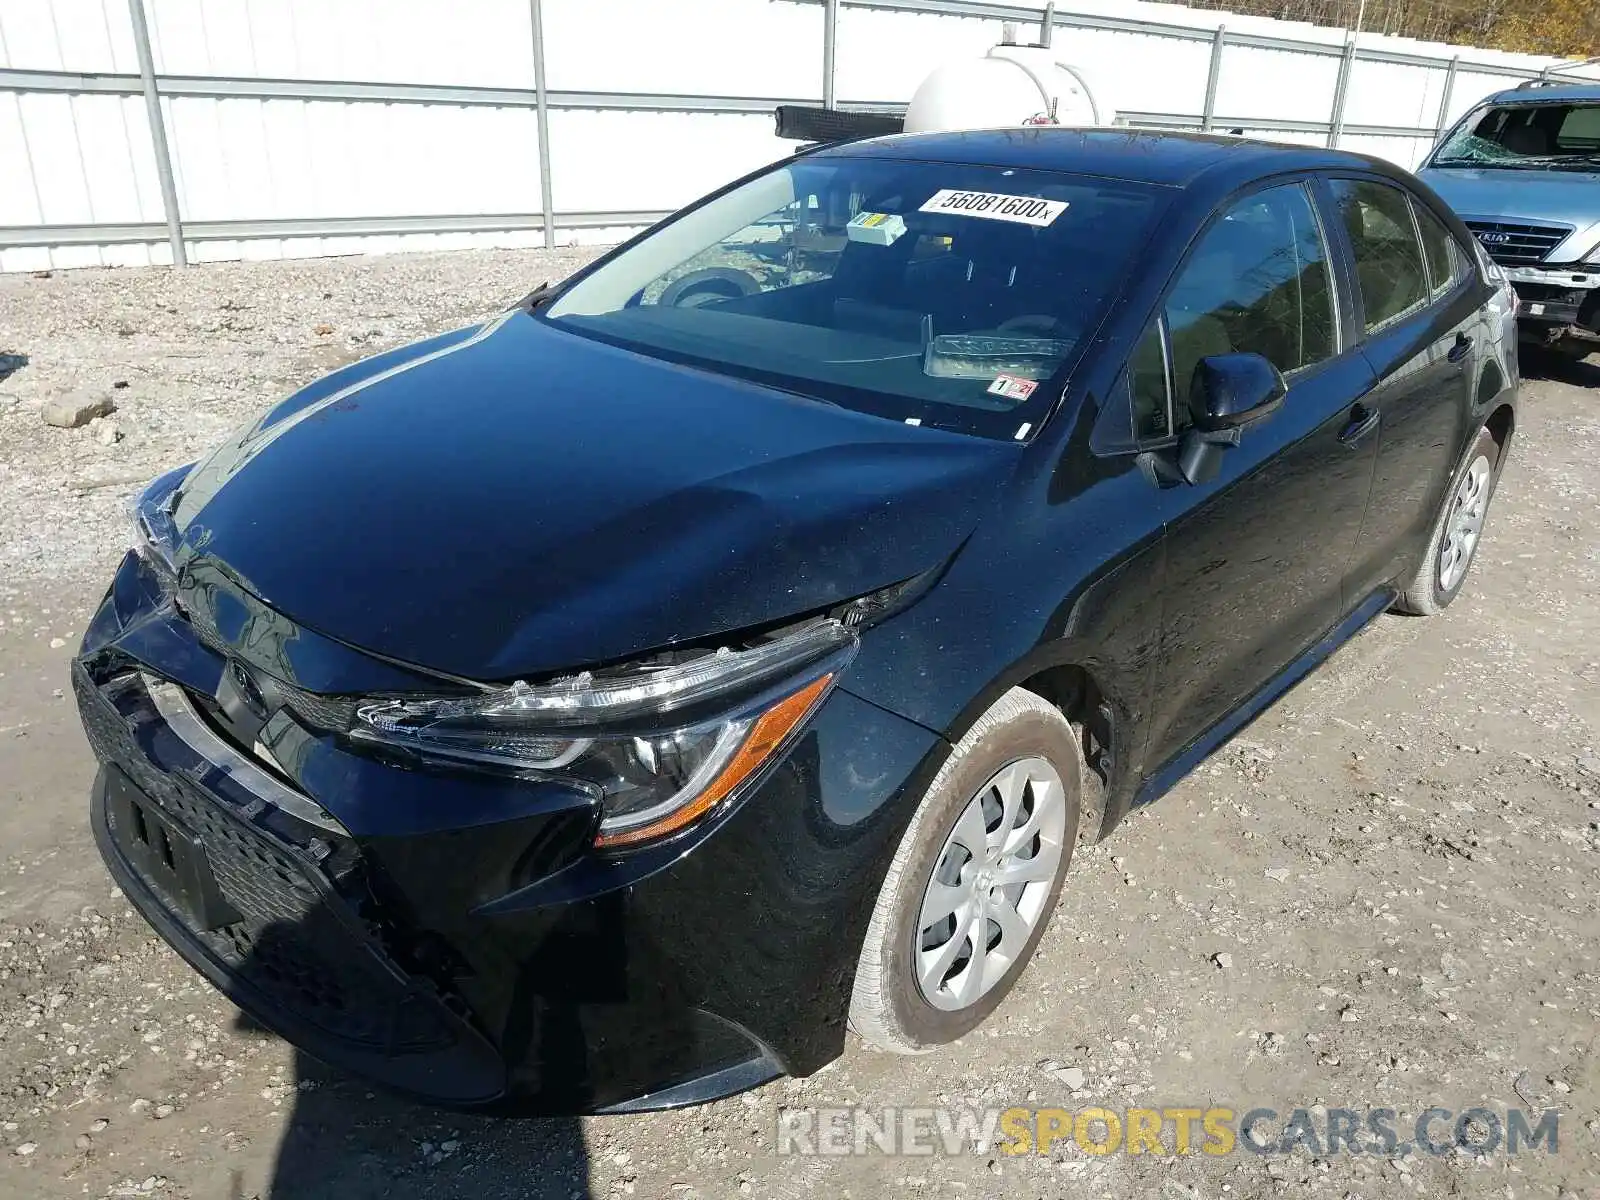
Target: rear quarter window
1445	259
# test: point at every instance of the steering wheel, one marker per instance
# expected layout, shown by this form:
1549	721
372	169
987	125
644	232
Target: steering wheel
708	286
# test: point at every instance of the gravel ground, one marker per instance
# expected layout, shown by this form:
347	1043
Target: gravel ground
1383	895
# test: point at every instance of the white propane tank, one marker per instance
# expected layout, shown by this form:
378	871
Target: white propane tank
1009	86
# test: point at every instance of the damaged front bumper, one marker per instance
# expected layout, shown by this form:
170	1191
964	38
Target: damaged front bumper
450	934
260	894
1557	302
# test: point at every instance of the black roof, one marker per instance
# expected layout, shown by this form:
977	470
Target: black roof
1143	155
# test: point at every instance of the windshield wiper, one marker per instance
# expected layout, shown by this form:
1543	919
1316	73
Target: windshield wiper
1523	163
540	295
1493	164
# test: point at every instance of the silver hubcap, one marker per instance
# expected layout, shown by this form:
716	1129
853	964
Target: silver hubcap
990	884
1464	524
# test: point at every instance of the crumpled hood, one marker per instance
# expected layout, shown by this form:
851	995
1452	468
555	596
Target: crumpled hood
514	500
1539	197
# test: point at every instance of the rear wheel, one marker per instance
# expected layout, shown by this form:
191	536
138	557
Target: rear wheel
1456	532
974	881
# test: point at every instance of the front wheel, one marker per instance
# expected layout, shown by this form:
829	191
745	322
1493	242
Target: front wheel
1456	532
974	881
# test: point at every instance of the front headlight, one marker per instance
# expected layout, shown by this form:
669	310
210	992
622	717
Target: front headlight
662	744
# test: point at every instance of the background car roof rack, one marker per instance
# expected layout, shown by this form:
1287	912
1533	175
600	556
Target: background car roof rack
1550	77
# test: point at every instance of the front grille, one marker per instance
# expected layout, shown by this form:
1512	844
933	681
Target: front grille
334	713
262	881
299	940
331	713
1516	245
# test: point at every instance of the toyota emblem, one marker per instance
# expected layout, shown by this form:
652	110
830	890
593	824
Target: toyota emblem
249	689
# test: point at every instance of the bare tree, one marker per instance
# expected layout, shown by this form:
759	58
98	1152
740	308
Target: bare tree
1558	27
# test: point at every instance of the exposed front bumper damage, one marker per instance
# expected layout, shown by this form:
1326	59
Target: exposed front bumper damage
448	934
1557	302
262	902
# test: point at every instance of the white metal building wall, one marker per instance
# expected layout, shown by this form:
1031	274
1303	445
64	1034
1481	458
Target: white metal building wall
423	170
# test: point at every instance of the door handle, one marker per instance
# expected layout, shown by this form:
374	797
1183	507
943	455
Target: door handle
1460	350
1363	420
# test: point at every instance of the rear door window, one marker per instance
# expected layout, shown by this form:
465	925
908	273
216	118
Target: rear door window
1383	236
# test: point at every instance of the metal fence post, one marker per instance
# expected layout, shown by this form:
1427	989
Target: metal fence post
541	117
830	43
1218	40
158	132
1047	25
1341	92
169	88
1449	95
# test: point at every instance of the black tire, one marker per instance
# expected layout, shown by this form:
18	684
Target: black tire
887	1008
1424	595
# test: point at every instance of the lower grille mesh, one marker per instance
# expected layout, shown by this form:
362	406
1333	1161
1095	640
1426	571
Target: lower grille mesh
291	943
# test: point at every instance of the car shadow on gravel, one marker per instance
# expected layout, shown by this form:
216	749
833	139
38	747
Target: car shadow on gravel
344	1141
1537	362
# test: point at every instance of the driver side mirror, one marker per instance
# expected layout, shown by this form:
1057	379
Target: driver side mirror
1229	394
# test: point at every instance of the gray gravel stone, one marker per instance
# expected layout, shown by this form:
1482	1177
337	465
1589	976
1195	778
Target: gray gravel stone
77	408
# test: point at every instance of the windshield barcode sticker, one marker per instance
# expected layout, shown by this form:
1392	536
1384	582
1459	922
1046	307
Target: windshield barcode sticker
1024	210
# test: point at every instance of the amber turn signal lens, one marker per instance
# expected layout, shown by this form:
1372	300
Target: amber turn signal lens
765	736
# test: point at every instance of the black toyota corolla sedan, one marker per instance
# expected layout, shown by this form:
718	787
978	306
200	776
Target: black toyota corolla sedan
605	706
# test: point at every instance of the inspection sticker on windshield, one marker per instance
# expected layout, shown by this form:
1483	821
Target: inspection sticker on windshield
1012	387
1024	210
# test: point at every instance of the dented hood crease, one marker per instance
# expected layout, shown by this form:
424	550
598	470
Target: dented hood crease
514	500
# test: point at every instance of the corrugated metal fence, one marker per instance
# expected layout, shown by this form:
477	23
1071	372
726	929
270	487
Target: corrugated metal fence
159	131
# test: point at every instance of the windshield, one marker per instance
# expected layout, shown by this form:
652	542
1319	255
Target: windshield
945	295
1526	137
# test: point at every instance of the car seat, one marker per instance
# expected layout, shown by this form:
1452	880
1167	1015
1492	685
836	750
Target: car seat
1527	139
